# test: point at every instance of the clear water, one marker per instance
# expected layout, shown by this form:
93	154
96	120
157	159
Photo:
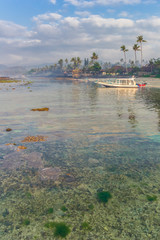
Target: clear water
100	140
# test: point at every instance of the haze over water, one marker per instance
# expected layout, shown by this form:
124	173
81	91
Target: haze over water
98	139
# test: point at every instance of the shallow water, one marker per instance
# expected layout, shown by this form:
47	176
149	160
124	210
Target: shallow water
97	139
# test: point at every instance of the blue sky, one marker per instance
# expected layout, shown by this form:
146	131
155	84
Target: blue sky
43	31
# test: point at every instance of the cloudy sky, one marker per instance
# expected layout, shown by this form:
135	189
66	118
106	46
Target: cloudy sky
43	31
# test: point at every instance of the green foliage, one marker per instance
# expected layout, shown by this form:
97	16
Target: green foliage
28	195
5	212
26	222
91	206
151	198
50	210
96	67
61	230
50	225
64	209
85	226
103	196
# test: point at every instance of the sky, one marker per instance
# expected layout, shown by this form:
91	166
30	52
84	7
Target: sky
35	32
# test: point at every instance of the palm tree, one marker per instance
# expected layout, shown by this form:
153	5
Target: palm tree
94	56
66	61
124	50
73	59
79	61
141	40
60	62
76	61
136	48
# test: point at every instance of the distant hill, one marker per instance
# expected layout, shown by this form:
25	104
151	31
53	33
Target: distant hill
16	71
2	66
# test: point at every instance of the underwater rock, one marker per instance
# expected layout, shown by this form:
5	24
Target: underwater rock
10	144
68	178
50	173
34	139
22	160
8	129
132	117
40	109
93	161
21	148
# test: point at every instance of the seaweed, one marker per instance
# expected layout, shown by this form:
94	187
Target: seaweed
151	198
64	209
26	222
61	230
103	196
85	226
50	210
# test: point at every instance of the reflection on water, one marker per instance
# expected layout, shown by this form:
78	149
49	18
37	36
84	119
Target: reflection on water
97	139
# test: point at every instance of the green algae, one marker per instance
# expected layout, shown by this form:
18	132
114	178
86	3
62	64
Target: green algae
85	226
50	210
61	230
64	209
151	198
103	196
26	222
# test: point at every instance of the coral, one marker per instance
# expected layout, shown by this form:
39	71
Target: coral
103	196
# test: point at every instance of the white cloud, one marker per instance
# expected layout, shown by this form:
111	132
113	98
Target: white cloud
53	1
81	3
84	3
71	21
47	17
55	36
123	14
82	13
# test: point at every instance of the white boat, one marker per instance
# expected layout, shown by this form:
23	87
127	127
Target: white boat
121	83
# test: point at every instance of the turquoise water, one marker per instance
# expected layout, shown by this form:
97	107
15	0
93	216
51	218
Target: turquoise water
97	139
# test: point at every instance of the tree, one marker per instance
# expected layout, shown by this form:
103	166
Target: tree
76	62
136	48
66	61
124	50
141	40
60	62
94	57
96	67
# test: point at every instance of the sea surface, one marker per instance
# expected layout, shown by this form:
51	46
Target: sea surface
91	140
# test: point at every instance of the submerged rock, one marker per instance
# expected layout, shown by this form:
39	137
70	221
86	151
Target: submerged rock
22	160
50	173
8	130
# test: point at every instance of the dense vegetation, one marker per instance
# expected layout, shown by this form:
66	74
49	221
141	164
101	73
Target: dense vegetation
91	66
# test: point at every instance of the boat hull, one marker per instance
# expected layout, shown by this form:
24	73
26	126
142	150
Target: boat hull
118	86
